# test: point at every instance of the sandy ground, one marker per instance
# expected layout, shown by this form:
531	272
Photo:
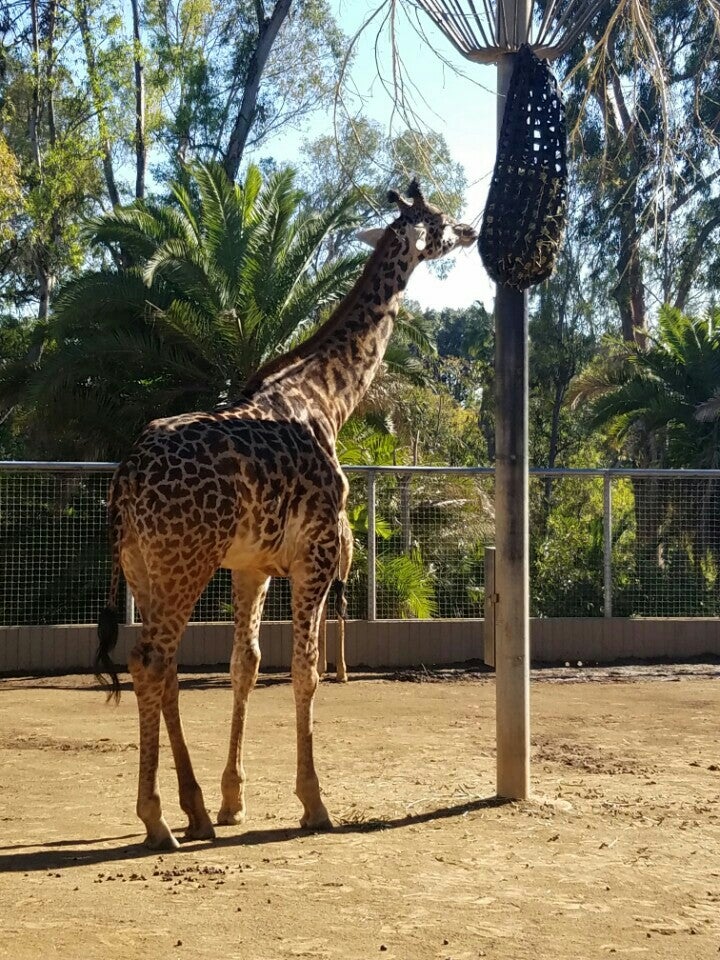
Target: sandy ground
619	853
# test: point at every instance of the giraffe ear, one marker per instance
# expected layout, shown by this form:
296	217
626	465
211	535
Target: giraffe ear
420	236
370	237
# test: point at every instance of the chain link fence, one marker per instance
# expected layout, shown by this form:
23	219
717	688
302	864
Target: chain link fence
612	543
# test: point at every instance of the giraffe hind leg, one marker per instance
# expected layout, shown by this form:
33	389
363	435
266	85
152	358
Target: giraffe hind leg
345	563
249	592
310	583
153	669
191	799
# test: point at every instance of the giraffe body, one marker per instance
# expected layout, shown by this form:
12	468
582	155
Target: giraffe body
255	487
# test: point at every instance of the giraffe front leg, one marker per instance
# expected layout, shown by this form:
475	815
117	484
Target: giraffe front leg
249	592
342	676
308	601
148	666
191	798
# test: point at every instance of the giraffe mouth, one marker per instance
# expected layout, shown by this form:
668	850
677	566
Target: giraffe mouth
466	235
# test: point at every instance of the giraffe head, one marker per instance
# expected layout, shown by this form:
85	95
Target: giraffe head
430	233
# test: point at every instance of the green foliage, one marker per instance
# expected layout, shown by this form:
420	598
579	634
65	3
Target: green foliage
200	59
11	202
405	588
567	550
361	157
221	281
665	392
645	139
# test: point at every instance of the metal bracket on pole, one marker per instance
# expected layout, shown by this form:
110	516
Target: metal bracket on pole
491	599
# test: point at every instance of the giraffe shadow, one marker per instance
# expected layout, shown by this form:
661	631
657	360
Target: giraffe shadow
70	854
217	677
372	825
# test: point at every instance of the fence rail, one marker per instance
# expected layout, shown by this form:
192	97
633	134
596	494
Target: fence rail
606	543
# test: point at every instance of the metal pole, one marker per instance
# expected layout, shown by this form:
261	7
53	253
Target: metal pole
512	568
490	601
607	544
371	555
129	605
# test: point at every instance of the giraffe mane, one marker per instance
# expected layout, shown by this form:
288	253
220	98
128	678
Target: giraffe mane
304	349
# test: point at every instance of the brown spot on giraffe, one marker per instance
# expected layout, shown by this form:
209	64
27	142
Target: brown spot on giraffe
255	487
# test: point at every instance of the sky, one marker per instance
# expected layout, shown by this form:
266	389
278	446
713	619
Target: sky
463	109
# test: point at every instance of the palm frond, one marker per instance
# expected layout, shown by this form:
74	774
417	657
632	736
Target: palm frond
415	328
605	373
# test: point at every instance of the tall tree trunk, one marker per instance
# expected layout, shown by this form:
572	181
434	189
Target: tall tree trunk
81	13
140	143
629	292
46	283
50	79
268	28
35	99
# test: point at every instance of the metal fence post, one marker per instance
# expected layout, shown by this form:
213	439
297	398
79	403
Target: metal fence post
607	545
129	605
371	553
490	601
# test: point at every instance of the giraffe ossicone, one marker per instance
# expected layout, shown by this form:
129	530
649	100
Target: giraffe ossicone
256	487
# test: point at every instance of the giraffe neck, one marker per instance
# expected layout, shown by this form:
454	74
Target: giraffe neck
325	378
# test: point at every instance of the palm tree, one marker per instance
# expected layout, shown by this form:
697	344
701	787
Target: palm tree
660	406
662	399
203	290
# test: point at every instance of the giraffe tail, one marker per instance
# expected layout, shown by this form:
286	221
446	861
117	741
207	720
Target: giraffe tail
340	599
109	619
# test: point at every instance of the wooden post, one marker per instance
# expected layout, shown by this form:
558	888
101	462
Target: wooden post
490	601
512	569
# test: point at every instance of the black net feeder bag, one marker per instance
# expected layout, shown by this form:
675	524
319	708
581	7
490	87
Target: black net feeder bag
526	208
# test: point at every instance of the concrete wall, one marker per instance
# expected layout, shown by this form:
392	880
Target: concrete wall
384	643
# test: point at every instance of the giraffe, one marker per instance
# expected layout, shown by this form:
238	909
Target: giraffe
256	487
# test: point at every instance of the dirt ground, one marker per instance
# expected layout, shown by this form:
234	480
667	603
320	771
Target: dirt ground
618	853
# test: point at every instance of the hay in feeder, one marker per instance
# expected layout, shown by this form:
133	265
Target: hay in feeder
525	213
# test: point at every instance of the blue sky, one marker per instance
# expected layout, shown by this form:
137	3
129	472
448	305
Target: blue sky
461	108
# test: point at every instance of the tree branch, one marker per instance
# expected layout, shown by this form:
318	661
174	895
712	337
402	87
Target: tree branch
692	260
267	32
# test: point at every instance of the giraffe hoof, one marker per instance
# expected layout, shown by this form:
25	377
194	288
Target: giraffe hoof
165	842
227	818
203	831
317	821
342	678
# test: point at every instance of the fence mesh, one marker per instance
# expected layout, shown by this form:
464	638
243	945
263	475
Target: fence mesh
666	546
566	546
432	530
54	557
663	552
